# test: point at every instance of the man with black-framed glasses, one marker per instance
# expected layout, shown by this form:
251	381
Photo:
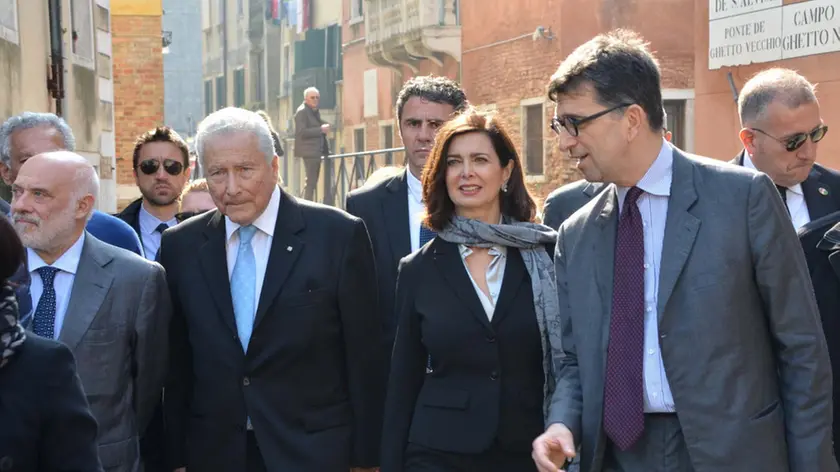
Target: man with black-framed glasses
161	170
781	129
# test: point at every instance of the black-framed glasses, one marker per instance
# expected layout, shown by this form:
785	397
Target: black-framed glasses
572	125
151	166
184	215
794	142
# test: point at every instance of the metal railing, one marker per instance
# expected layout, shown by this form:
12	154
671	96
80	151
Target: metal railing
343	173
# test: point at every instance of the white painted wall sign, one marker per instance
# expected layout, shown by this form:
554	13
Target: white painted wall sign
755	31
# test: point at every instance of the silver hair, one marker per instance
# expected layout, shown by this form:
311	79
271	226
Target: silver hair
231	121
770	85
310	89
28	120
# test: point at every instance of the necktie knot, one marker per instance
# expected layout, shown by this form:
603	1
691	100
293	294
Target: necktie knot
162	227
782	191
633	194
47	274
246	233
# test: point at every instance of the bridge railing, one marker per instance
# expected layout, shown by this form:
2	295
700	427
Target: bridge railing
342	173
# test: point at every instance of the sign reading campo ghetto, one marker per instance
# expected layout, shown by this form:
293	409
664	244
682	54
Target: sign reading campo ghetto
753	31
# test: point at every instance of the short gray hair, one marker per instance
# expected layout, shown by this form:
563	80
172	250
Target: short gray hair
786	85
231	121
311	89
28	120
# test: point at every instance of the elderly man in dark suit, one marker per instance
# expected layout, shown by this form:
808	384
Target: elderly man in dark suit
275	336
690	329
393	209
780	116
311	138
110	306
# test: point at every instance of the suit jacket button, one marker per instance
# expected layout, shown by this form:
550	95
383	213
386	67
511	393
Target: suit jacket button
246	381
494	375
491	339
6	463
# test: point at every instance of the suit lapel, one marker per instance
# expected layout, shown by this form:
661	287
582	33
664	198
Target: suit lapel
213	259
286	247
451	267
603	252
818	194
511	283
395	215
681	228
90	286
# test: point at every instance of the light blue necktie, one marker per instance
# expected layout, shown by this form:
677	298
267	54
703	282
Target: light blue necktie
243	286
43	323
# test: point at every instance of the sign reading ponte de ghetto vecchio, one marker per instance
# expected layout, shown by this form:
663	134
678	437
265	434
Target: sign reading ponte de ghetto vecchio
754	31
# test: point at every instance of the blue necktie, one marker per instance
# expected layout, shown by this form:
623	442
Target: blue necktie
426	235
44	322
243	284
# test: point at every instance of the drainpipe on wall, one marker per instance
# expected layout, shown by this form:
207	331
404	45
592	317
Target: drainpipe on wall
55	82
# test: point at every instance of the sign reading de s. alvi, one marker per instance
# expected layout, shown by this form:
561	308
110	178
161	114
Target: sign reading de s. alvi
754	31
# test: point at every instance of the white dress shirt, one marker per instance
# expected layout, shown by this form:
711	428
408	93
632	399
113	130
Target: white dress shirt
653	205
67	266
148	230
494	275
794	197
261	242
416	209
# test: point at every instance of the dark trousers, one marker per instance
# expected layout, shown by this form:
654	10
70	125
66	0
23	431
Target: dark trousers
312	167
423	459
253	457
661	448
152	445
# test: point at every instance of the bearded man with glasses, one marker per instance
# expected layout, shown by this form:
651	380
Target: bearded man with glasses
161	170
781	129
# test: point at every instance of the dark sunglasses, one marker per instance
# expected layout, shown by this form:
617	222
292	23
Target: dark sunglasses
572	125
184	215
796	141
151	166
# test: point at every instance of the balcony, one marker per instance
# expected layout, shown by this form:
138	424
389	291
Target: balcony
405	32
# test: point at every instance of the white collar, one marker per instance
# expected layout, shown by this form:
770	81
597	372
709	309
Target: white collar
415	187
657	179
265	222
68	262
749	164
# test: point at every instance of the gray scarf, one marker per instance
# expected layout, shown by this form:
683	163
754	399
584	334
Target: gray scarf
530	239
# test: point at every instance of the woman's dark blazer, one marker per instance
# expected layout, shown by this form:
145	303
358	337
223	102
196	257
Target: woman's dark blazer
485	385
45	421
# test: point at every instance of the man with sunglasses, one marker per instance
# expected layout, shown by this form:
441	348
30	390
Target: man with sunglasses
781	129
161	169
690	339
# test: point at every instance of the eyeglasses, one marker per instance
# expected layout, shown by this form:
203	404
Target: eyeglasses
796	141
151	166
572	125
185	215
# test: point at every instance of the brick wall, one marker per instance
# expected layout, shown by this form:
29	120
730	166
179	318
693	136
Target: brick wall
499	70
138	86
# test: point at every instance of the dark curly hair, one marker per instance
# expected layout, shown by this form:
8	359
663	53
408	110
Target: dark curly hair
434	89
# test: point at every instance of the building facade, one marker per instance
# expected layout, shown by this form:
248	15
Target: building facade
182	66
138	82
512	49
734	43
75	82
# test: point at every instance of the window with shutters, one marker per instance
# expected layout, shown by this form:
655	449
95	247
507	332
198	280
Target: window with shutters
208	97
221	92
81	15
239	87
532	116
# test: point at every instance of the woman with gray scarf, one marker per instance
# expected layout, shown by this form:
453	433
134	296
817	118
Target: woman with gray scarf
477	308
45	421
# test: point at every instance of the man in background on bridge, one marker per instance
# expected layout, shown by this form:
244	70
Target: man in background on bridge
311	139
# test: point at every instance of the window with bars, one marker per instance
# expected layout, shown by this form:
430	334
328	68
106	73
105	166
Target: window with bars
81	15
9	21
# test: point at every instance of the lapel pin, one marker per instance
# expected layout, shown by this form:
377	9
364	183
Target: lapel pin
289	248
823	191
